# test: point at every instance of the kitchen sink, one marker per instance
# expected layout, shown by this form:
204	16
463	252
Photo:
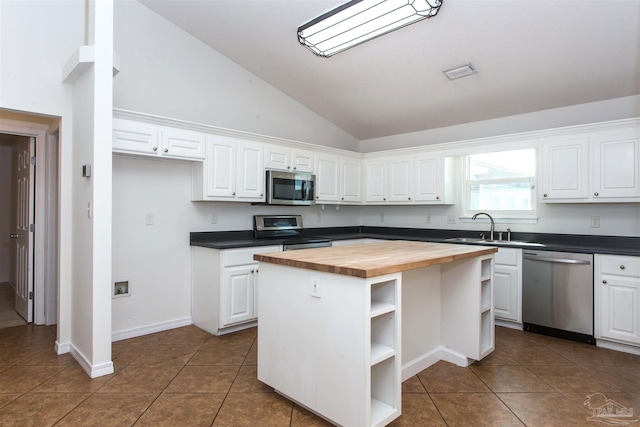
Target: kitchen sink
477	240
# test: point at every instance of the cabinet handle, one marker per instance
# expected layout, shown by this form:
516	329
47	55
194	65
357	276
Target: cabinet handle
437	197
604	282
234	193
295	168
622	267
155	148
166	150
409	198
341	198
596	194
261	194
544	195
384	199
288	167
317	197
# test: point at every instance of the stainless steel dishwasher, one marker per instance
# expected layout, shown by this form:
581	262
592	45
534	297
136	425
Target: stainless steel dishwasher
557	294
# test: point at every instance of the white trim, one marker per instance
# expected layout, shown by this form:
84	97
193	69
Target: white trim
93	371
507	324
150	329
62	348
618	346
419	364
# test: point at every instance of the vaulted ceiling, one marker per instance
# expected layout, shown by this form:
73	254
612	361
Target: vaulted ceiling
530	55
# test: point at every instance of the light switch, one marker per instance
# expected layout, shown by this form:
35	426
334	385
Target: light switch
148	219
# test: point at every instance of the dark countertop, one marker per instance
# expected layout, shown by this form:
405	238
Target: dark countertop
615	245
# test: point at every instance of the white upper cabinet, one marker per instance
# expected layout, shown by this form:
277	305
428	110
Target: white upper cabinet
434	179
159	141
401	179
233	170
288	159
616	164
601	166
327	178
350	180
375	180
338	179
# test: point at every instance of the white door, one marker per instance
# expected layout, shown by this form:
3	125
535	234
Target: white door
237	296
23	236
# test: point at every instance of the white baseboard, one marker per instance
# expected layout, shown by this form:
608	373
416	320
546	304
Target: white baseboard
419	364
507	324
62	347
150	329
451	356
618	346
93	371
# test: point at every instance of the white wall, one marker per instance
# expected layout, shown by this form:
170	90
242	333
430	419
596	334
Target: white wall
612	109
156	259
167	72
36	40
5	211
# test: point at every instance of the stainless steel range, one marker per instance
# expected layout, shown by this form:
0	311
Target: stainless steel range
286	228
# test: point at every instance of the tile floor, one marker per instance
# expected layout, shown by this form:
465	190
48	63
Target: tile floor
8	315
186	377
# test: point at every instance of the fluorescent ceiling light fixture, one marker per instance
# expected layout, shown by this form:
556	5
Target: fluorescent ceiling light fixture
456	73
357	21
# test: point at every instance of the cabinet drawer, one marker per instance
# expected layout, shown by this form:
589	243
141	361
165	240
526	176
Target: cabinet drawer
508	256
620	265
244	256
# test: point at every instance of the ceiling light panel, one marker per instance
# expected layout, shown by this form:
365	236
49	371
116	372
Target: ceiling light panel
360	20
456	73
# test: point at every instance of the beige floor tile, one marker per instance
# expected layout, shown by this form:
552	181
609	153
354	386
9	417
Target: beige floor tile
301	417
510	378
254	409
474	409
5	398
204	379
497	357
218	352
185	335
39	409
167	354
572	379
413	385
418	410
142	379
247	381
629	401
107	409
182	409
529	355
48	357
20	379
72	379
545	409
444	377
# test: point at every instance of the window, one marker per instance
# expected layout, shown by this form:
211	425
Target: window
501	183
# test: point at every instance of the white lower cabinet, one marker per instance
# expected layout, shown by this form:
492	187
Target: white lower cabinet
225	287
507	285
617	298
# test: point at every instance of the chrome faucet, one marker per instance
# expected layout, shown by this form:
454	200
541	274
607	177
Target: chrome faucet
493	224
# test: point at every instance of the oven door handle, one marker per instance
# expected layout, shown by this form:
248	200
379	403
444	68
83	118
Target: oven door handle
557	260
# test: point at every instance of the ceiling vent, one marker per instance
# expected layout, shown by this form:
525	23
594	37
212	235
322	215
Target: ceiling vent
456	73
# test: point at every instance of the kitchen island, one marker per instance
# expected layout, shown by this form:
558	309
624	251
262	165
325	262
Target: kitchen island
340	328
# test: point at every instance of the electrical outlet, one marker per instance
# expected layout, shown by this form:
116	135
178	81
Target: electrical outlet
595	222
381	217
428	219
316	287
214	218
319	216
451	219
148	219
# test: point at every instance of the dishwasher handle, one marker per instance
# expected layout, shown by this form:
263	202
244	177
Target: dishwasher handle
557	260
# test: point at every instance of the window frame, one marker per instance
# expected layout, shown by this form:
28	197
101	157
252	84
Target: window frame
515	215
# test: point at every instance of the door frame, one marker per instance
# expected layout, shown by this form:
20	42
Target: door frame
45	237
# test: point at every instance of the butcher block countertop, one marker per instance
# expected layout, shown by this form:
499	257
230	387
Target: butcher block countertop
375	259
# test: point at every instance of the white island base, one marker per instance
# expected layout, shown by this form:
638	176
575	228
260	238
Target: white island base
341	345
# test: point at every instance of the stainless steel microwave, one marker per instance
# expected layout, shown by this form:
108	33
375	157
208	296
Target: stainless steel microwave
290	188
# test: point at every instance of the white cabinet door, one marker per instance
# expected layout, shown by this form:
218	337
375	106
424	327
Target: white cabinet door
249	171
303	160
401	179
327	178
429	184
350	180
375	181
616	165
183	144
220	167
132	137
276	157
507	284
565	169
237	297
617	292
